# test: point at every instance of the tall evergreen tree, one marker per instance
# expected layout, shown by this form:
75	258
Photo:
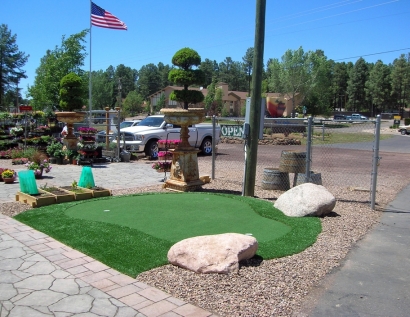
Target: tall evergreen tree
340	77
247	64
11	63
102	90
128	77
400	82
210	69
149	80
163	74
356	86
378	86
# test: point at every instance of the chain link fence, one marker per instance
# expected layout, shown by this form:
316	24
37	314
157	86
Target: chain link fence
293	151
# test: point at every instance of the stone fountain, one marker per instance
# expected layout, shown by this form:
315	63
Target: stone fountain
184	174
70	118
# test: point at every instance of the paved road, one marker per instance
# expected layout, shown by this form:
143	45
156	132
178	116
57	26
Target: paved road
374	279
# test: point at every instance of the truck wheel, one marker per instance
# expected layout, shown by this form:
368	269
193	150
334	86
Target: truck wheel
151	149
206	146
403	132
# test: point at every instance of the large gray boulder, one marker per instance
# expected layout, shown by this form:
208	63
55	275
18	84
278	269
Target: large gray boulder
306	200
218	253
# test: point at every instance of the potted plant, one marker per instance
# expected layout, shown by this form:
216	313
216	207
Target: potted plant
39	167
9	176
54	150
185	176
66	155
71	99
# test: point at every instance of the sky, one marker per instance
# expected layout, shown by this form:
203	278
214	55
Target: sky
344	30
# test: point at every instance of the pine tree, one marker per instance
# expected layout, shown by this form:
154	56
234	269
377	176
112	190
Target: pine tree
11	62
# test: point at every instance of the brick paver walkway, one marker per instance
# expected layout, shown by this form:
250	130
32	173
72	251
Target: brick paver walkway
40	276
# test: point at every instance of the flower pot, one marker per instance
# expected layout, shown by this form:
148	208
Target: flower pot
38	174
59	160
53	160
162	170
9	180
125	156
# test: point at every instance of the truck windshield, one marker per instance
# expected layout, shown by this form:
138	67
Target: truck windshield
152	121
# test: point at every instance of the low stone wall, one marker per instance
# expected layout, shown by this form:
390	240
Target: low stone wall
266	141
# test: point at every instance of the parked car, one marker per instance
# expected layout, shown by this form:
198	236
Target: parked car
358	117
100	136
340	117
404	129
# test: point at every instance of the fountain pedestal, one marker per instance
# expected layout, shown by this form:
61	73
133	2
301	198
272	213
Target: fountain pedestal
184	174
70	118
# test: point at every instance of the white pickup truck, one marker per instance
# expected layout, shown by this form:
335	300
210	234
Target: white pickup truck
143	137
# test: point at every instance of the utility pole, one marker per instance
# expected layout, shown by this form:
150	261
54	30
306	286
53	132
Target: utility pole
255	111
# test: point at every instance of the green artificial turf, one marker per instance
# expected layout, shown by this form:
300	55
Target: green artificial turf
133	233
174	217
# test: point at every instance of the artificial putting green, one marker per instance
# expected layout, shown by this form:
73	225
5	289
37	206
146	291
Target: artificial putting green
174	217
133	233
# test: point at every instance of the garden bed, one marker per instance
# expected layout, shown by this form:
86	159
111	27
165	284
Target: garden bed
61	196
39	200
99	191
79	192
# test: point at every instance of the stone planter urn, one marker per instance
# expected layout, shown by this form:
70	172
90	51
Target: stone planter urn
70	118
184	175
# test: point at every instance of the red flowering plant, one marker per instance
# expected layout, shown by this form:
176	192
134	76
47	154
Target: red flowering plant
161	165
83	153
164	155
168	143
87	130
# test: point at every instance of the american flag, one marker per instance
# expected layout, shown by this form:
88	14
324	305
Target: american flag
104	19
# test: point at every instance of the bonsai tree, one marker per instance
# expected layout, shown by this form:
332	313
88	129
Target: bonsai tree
71	92
185	59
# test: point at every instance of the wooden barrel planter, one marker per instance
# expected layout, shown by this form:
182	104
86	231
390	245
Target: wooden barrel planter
315	178
293	162
273	179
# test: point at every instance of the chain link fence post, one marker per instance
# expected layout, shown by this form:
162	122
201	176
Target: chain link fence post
375	161
308	148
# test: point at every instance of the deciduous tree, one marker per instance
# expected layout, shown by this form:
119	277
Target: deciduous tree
65	59
296	75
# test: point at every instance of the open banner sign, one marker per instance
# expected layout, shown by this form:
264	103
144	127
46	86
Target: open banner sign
232	130
26	108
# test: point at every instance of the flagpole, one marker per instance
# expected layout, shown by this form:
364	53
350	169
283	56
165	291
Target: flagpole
89	76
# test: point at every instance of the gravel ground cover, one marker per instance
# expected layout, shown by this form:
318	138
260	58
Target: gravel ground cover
272	287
